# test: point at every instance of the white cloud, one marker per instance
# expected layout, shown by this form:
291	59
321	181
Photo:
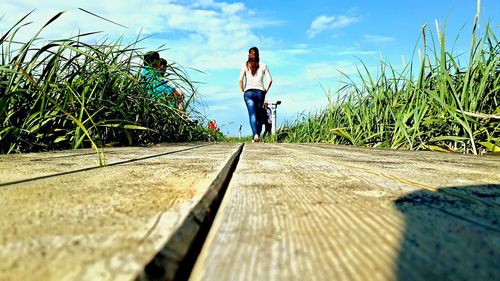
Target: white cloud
322	23
355	52
226	8
378	39
322	71
298	51
203	34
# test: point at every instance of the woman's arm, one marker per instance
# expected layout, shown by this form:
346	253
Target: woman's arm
269	79
242	76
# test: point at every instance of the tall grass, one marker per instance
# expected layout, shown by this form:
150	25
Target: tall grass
66	93
432	104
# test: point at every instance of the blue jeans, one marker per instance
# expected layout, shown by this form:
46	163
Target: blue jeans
254	99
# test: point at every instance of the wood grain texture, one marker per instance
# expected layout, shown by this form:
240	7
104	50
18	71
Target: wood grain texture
21	167
106	223
322	212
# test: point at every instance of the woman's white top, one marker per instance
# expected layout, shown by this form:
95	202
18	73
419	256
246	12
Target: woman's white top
257	81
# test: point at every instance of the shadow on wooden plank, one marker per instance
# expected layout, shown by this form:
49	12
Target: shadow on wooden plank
449	237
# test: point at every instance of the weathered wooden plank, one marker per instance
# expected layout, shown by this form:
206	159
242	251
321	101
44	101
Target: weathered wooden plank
313	212
21	167
444	173
106	223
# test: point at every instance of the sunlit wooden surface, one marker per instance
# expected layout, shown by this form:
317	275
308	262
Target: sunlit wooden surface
321	212
291	212
104	223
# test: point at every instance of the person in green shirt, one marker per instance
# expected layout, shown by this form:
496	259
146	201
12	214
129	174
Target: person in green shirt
152	73
169	90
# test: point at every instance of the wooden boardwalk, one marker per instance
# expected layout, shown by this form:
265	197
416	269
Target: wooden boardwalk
290	212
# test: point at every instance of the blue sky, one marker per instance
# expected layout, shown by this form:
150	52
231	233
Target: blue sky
304	43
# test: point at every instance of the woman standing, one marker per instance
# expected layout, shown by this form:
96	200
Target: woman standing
252	86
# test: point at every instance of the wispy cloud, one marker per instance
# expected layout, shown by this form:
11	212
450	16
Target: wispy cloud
332	70
227	8
323	23
209	34
378	39
356	53
297	51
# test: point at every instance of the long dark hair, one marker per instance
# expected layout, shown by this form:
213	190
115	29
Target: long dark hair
151	58
253	63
